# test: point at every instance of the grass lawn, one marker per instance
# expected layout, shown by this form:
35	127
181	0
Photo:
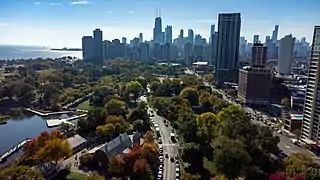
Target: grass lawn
75	176
84	105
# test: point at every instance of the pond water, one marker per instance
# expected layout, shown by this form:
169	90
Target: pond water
18	129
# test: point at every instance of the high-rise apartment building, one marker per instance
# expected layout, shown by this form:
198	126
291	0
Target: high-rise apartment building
188	53
285	55
87	48
97	36
311	113
259	55
255	39
144	52
106	49
267	39
213	51
275	34
227	55
168	34
190	36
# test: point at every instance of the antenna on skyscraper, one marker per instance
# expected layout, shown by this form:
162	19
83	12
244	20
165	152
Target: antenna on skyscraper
159	12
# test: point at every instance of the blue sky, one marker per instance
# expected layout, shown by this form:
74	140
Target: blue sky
59	23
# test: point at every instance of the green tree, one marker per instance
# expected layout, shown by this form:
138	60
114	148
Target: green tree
54	150
188	176
120	124
232	93
230	157
138	125
206	124
297	163
191	94
115	107
134	87
106	132
116	165
20	173
85	159
149	137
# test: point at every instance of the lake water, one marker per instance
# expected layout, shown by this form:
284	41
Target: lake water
18	129
8	52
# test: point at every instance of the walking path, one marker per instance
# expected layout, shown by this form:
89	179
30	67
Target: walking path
13	150
57	122
46	114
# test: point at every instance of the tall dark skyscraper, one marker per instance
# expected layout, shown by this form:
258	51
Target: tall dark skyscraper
124	40
140	38
227	55
275	34
168	34
181	34
97	38
190	36
212	29
255	39
157	30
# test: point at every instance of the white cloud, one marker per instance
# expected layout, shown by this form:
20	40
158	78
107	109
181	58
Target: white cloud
37	3
130	11
55	4
4	24
79	2
110	12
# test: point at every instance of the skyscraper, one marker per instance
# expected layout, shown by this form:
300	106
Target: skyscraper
190	36
227	55
267	39
285	55
259	55
87	48
97	36
311	113
212	29
140	38
181	34
124	40
255	39
275	34
188	53
157	30
168	34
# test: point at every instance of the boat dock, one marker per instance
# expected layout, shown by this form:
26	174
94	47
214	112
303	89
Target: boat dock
57	122
13	150
46	114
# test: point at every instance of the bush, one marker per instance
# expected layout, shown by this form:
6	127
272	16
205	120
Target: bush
85	159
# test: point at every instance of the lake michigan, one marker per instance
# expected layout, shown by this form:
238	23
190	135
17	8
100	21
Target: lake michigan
9	52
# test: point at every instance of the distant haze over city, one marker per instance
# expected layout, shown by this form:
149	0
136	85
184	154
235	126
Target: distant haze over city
62	23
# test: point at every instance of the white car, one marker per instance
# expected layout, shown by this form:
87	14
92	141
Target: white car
177	169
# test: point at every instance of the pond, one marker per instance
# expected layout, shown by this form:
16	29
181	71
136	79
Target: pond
18	129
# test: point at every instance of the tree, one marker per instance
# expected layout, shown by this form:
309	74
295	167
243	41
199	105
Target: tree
106	132
219	177
134	87
232	93
204	102
115	107
85	159
96	117
188	176
187	125
20	173
297	163
191	94
230	157
119	123
206	124
54	150
138	125
116	164
285	102
149	137
94	176
141	170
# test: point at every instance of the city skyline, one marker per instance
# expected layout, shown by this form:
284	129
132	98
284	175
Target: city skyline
49	23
